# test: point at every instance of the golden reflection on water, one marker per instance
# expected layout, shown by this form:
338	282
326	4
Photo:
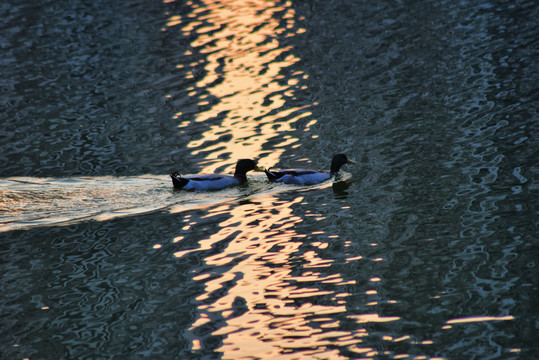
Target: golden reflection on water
473	319
243	93
262	286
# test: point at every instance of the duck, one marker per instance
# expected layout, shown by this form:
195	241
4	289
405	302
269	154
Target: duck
215	181
308	177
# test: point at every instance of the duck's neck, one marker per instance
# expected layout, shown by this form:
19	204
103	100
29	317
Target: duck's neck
335	168
242	177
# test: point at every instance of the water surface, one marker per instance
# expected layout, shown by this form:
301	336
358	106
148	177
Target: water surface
426	248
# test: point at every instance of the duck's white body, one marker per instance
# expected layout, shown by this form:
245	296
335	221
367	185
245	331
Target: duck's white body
215	181
308	177
302	177
210	182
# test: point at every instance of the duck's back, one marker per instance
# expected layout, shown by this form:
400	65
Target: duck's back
208	182
300	176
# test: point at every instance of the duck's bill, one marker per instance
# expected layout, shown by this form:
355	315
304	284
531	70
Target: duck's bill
258	168
350	161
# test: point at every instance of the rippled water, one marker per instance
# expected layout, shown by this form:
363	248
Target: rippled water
427	248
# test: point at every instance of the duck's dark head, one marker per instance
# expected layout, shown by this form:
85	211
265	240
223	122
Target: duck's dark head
338	161
244	165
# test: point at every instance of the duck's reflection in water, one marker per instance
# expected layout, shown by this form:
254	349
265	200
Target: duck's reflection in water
340	188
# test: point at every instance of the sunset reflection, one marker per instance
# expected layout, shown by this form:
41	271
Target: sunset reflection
242	94
268	290
264	289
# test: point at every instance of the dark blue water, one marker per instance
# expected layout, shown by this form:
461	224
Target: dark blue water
425	249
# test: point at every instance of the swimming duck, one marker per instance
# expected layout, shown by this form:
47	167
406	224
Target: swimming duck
308	177
215	181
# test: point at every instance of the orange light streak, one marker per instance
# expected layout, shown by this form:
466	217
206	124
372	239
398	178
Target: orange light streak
472	319
243	64
255	241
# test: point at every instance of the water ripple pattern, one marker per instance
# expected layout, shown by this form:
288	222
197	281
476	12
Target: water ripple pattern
242	80
425	249
272	289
